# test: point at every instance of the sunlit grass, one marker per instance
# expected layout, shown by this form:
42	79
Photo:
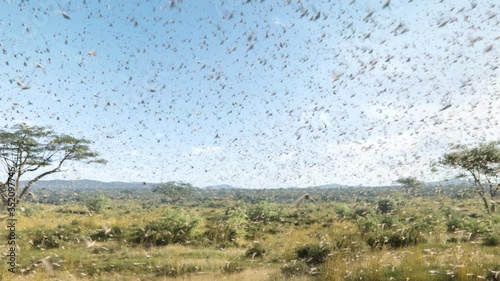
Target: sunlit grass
351	258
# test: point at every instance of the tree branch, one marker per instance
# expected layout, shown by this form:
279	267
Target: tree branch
55	170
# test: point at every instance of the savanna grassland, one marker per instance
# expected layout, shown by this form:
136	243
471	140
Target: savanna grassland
237	234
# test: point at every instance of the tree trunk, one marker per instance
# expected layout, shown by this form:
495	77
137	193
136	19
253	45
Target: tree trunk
486	204
4	194
5	203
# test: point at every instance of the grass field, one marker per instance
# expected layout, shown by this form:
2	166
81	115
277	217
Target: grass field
364	237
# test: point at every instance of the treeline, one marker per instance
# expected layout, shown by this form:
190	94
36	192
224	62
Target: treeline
212	197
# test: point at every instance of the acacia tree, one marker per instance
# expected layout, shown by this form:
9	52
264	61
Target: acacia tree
482	165
409	183
39	152
175	190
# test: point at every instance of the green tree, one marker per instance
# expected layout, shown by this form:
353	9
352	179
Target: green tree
96	203
175	190
386	206
482	165
37	151
410	183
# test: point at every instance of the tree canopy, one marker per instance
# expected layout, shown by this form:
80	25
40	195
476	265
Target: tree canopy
38	151
409	182
175	190
482	165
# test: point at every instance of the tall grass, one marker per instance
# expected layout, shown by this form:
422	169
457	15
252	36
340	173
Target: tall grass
278	230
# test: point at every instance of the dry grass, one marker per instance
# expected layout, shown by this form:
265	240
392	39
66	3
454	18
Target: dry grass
352	260
416	263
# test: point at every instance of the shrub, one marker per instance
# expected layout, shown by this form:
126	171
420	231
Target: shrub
367	224
343	210
300	217
256	251
346	244
220	234
386	206
315	253
407	237
97	203
376	241
46	240
174	227
472	225
231	267
453	224
50	239
492	239
403	238
429	223
237	220
361	212
449	212
265	212
229	227
115	232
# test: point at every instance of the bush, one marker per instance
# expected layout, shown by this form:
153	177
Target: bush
265	212
97	203
346	244
174	227
343	210
256	251
46	240
454	224
472	225
361	212
376	241
429	223
367	224
386	206
300	217
231	267
388	221
115	232
492	239
313	253
51	239
404	238
407	237
229	227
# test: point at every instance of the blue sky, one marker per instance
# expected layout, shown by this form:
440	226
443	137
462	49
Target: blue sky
257	94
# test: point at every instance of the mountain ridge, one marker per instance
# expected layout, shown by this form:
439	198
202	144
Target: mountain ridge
90	184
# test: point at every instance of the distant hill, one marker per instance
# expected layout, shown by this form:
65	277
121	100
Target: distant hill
458	182
332	185
450	182
92	184
218	187
88	184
